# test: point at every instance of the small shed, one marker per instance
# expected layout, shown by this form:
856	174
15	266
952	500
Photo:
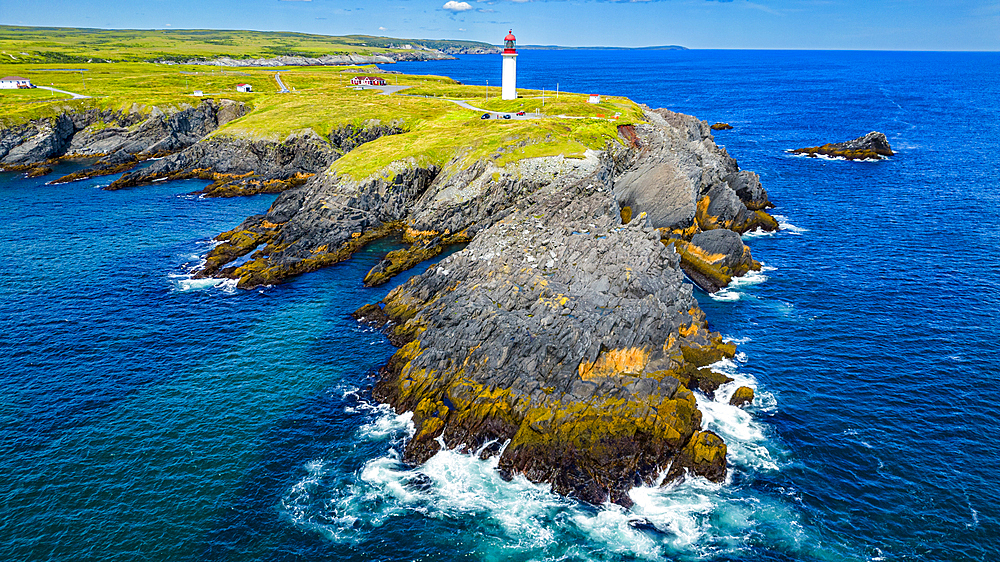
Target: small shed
199	93
244	88
594	98
15	83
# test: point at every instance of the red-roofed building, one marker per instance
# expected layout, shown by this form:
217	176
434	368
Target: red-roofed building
368	81
244	88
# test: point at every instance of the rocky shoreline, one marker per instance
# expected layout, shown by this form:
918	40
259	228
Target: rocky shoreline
562	338
120	139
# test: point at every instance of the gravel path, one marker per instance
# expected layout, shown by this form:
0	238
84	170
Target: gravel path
75	96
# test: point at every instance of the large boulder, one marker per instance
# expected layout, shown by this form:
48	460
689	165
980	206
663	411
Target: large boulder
713	257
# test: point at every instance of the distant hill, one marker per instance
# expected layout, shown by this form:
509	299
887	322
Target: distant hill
70	44
560	48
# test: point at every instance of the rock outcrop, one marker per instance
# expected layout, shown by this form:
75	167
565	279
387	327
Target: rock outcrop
240	166
744	395
563	338
872	146
688	186
122	138
562	341
326	220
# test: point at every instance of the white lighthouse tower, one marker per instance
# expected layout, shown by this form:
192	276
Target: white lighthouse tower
509	89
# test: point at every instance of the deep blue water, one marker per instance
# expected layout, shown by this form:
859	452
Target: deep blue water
145	416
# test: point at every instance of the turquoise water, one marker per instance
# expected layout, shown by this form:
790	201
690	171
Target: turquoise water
149	416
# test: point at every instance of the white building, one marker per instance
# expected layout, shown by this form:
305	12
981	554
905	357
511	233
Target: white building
244	88
594	98
14	83
368	81
508	91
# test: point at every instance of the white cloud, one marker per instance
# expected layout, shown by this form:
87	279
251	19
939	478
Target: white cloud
454	6
380	28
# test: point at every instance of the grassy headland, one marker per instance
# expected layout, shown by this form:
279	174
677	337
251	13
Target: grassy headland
77	45
322	101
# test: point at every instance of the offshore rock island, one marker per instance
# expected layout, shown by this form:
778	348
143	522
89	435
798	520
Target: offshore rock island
562	337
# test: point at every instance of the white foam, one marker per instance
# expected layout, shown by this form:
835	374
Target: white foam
725	295
187	283
387	425
758	233
788	227
519	518
733	291
746	438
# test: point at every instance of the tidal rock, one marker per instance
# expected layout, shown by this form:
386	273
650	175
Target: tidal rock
721	127
713	257
872	146
742	396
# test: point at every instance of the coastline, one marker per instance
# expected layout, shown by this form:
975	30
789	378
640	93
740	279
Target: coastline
615	339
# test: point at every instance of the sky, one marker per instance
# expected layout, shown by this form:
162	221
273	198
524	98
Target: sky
935	25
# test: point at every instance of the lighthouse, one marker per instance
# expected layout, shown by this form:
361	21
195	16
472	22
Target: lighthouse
509	89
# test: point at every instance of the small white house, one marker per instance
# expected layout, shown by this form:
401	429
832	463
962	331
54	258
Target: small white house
199	93
244	88
14	83
594	98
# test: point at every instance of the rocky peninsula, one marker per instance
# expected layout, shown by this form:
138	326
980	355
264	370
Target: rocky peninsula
563	338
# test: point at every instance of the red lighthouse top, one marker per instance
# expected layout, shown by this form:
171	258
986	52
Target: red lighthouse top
508	43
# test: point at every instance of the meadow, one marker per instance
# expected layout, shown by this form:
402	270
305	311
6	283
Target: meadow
438	131
78	45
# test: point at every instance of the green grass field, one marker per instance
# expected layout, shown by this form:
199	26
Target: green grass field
76	45
439	131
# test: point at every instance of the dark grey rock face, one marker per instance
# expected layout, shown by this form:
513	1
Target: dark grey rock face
874	145
265	160
746	185
719	241
678	168
874	141
93	132
36	142
554	331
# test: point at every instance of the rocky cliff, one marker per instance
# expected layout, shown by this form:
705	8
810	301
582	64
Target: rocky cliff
122	138
563	338
241	166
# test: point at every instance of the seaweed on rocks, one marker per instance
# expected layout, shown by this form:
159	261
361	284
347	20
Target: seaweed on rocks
873	146
564	334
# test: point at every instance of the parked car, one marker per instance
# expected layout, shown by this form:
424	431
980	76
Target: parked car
506	115
520	113
485	116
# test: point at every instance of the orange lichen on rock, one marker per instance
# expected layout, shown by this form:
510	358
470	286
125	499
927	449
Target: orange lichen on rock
615	362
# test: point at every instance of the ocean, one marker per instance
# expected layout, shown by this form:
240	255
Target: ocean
146	415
